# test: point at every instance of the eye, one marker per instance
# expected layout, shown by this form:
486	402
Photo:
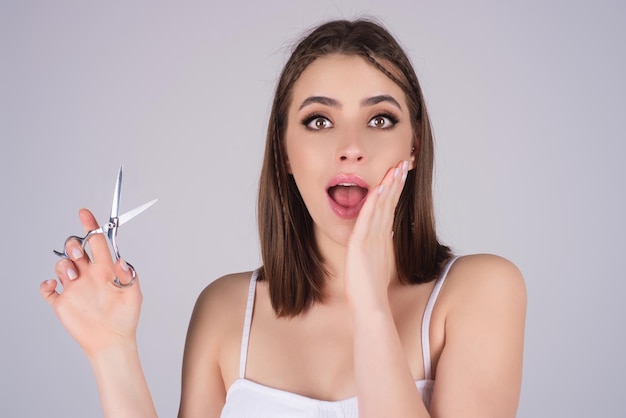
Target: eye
317	122
383	121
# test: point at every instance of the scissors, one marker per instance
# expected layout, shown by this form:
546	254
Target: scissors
109	229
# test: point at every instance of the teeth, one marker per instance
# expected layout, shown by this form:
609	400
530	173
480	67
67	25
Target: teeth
346	184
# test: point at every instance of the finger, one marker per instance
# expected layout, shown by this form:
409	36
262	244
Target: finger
77	255
376	216
48	291
66	271
98	242
383	223
364	220
385	206
124	272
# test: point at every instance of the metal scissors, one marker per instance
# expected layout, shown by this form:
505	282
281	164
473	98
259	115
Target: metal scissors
109	229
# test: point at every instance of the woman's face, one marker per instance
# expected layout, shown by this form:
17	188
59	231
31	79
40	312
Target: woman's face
348	123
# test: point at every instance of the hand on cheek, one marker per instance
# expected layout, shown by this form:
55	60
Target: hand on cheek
370	256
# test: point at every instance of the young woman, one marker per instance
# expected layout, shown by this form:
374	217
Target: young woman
358	310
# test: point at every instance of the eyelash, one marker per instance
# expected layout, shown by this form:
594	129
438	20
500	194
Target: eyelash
309	119
386	115
393	119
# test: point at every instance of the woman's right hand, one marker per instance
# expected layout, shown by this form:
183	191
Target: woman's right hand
96	313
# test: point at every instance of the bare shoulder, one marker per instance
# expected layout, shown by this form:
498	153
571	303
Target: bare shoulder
225	287
482	314
223	300
219	312
480	278
213	338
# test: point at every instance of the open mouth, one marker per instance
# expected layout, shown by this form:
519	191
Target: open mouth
347	198
347	194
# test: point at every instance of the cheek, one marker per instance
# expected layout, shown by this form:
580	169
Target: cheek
304	164
302	168
294	157
396	148
411	146
300	161
302	153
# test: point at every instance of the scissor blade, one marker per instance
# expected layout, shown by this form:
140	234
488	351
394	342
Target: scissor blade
132	213
115	207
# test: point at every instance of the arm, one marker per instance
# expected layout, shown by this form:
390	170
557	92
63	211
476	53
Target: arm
483	311
479	371
384	383
121	383
385	386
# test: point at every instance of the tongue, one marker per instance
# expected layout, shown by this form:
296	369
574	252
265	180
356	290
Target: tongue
347	196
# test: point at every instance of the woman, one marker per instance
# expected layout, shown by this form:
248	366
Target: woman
349	315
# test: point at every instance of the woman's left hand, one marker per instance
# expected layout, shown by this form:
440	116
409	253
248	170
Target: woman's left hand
370	258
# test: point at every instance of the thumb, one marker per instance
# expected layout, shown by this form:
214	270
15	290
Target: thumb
48	291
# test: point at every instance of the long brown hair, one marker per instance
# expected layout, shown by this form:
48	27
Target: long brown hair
292	263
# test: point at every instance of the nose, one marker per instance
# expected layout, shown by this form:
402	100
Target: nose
351	148
350	156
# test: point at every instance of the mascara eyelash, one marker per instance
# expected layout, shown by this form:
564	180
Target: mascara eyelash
310	118
392	118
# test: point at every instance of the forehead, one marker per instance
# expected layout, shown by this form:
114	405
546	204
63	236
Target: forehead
345	76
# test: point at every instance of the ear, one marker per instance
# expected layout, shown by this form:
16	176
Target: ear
413	157
288	165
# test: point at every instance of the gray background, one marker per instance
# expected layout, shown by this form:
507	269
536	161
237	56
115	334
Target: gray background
528	104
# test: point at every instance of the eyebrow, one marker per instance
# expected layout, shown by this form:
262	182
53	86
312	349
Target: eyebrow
326	101
370	101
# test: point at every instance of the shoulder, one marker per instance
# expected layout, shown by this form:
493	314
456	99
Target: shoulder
219	312
215	328
483	302
223	300
230	285
479	289
479	278
482	315
211	348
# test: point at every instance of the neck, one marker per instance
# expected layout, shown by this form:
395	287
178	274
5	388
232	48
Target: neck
334	255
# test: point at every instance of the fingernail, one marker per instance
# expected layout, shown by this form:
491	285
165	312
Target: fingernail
396	172
405	166
76	253
71	274
404	176
380	188
49	281
123	265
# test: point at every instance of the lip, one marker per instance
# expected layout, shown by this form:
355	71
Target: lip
342	211
347	178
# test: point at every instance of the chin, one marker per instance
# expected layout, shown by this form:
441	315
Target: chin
334	235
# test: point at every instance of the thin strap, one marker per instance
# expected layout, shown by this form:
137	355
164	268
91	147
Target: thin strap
426	318
246	326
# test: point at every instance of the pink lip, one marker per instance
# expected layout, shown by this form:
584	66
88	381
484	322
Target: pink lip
347	178
342	211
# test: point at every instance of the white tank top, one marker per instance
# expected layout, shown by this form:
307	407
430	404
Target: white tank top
246	398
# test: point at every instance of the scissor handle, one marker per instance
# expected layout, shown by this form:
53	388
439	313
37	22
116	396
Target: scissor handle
110	235
81	240
133	277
